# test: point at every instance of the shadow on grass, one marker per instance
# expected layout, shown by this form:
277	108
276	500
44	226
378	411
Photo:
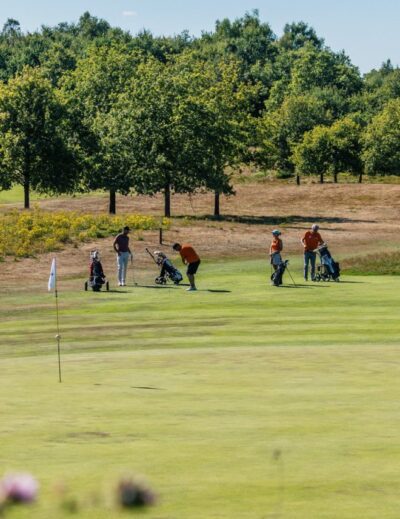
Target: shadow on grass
173	287
273	220
148	387
342	282
303	286
214	291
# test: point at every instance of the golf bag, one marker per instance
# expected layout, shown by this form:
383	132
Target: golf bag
328	269
168	271
97	278
277	276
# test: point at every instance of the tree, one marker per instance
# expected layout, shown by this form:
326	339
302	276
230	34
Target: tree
346	147
331	149
297	35
313	155
175	127
252	43
34	148
280	130
381	141
90	92
11	29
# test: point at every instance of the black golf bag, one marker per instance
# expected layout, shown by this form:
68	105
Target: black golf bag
277	276
97	278
168	271
328	269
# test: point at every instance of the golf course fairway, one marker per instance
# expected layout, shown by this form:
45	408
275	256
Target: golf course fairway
241	400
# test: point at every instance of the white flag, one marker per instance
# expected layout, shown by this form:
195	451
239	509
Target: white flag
53	276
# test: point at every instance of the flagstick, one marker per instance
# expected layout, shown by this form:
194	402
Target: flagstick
58	337
52	285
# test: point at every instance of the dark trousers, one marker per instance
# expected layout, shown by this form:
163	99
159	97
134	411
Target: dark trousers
309	257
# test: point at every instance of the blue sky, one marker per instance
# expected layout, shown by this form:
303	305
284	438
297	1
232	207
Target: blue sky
366	29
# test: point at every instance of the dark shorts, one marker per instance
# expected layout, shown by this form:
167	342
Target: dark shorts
192	268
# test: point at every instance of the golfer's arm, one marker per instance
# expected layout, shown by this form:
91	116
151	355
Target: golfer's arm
115	247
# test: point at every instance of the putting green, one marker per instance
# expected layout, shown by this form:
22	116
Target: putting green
250	402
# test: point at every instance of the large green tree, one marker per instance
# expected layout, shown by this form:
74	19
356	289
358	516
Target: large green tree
332	149
176	126
90	92
281	129
382	141
36	144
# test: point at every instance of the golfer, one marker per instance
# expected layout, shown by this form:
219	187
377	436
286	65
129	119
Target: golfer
191	259
121	247
311	240
276	249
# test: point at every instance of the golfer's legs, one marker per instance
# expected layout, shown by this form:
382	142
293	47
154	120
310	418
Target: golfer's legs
191	280
125	259
306	260
119	267
122	263
312	259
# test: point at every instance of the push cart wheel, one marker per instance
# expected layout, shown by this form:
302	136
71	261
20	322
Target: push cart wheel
107	286
86	286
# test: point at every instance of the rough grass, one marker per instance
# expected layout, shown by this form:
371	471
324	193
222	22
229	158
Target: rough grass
252	402
378	264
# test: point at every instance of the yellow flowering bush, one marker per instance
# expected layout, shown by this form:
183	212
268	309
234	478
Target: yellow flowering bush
24	234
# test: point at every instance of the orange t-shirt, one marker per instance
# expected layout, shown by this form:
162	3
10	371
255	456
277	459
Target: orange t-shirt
188	254
276	245
312	240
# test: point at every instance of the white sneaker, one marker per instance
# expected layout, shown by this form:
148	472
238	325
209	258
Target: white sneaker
191	289
119	284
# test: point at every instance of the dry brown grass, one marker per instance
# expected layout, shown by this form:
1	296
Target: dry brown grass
354	219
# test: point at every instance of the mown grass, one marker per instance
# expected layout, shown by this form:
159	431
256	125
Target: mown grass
252	402
15	195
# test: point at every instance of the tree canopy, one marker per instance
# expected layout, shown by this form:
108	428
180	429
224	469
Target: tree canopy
143	113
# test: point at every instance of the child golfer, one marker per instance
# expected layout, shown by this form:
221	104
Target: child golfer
276	249
191	259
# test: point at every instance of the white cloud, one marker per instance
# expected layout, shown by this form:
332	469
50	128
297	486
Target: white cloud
129	13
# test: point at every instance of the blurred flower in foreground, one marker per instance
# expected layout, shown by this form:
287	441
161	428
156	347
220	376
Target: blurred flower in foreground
131	494
19	488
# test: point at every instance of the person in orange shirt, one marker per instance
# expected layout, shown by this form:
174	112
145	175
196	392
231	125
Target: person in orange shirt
276	249
311	240
191	259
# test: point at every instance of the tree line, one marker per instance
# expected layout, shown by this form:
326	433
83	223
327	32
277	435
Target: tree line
89	107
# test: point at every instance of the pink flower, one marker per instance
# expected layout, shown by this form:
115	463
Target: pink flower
19	488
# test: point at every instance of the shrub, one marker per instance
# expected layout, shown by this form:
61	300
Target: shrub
27	234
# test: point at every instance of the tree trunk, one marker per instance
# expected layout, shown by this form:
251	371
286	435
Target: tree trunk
335	177
298	180
167	200
216	204
360	178
112	208
321	178
26	192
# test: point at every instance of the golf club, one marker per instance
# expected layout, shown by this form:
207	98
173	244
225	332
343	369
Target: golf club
291	277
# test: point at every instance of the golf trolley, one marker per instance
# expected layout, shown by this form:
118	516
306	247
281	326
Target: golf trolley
97	278
168	271
328	269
